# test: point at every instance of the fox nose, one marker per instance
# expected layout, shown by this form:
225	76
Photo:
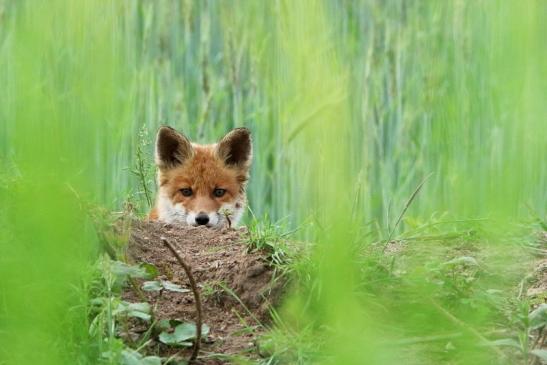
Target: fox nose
202	219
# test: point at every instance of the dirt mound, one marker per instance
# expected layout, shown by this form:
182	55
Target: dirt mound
538	282
237	287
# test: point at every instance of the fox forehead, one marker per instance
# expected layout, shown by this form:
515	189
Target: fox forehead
203	172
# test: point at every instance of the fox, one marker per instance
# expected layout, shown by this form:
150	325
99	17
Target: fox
201	184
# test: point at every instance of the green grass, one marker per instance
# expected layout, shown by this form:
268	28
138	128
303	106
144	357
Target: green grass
352	105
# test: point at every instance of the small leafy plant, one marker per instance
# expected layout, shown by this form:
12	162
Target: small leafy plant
161	285
531	325
177	333
457	277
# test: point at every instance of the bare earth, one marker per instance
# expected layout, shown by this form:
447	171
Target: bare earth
218	258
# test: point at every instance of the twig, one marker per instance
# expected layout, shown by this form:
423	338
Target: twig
196	297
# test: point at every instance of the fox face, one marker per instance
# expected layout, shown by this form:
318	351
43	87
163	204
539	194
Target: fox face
201	184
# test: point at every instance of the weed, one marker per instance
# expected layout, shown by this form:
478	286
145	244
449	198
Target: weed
143	168
270	237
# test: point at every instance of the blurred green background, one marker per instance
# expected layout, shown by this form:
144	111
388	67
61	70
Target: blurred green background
352	105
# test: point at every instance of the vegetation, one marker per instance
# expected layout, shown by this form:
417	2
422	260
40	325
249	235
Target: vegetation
404	141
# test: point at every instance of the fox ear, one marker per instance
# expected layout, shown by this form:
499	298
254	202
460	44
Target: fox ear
172	148
236	149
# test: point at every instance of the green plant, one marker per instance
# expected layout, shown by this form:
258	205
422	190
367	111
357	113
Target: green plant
177	333
529	323
143	169
270	237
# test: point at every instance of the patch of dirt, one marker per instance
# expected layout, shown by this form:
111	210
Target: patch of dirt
218	259
537	288
395	247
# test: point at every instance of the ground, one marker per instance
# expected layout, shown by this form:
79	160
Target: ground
240	280
237	286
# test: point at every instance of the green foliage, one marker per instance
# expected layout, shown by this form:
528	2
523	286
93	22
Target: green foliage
180	334
538	317
271	238
160	285
124	271
130	357
137	310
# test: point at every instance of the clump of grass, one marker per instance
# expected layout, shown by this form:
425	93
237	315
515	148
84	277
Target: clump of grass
270	237
284	346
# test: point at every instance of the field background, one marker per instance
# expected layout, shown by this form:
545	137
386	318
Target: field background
353	105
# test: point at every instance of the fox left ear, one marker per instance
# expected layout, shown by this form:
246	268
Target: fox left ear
172	148
236	149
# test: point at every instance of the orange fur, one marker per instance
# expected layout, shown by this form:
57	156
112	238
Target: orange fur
203	170
153	215
202	173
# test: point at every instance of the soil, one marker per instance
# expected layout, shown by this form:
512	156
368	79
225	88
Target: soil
219	259
538	282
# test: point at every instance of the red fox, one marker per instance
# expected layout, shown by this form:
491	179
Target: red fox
201	185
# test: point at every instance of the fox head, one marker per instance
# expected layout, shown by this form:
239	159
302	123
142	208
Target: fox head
201	184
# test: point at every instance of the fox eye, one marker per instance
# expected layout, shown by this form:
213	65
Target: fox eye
186	191
219	192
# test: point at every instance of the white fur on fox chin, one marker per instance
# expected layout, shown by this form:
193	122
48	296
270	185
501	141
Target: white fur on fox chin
176	214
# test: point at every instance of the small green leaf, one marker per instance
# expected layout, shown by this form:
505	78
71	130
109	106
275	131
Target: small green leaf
538	317
140	315
151	360
132	357
121	269
152	286
173	287
163	325
151	270
141	307
139	310
174	322
167	324
99	302
157	285
183	332
172	339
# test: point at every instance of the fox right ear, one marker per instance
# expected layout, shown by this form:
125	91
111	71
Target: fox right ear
172	148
